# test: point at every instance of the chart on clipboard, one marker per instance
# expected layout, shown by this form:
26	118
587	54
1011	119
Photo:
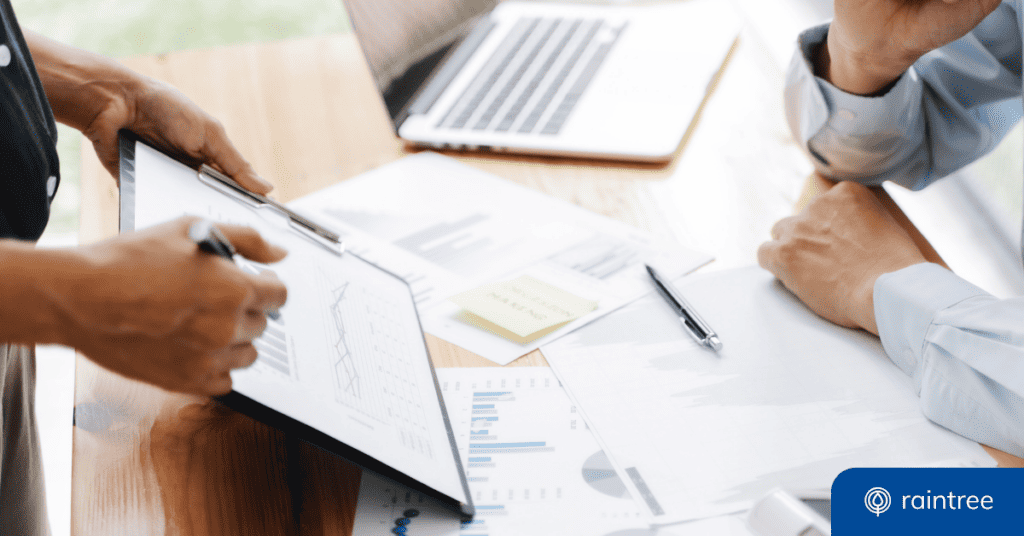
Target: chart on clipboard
345	366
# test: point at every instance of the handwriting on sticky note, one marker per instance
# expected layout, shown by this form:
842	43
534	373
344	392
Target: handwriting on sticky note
522	309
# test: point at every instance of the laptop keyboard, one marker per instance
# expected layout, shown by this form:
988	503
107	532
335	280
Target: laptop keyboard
543	63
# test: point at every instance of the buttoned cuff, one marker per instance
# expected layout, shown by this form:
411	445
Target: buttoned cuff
825	118
906	302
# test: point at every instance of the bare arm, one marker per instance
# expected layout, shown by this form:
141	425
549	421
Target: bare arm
99	97
29	277
148	305
872	42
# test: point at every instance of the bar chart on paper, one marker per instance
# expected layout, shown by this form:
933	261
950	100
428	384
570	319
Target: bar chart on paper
446	228
273	347
533	467
529	457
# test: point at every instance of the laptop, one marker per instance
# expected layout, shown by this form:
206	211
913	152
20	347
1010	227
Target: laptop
604	81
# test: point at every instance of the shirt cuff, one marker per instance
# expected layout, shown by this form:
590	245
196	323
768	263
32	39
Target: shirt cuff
906	302
824	116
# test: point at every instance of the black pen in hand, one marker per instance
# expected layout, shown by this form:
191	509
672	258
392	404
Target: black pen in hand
211	240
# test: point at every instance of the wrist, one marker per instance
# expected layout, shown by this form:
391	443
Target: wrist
859	72
863	300
81	85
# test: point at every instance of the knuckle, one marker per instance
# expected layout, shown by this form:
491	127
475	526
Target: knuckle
788	253
248	355
220	334
216	126
764	254
202	367
850	190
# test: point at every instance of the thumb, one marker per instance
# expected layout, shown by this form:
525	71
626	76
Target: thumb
219	152
105	143
250	244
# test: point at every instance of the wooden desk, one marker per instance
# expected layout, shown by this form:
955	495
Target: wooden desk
306	114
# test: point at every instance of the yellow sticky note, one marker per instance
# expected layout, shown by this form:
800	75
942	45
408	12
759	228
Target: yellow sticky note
521	310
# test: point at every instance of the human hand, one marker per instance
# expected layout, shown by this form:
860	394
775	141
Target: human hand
831	254
872	42
168	120
99	96
151	306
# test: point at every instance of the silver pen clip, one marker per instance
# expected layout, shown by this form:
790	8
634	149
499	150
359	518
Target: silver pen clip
316	232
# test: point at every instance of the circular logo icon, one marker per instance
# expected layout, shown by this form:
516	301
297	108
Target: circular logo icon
877	500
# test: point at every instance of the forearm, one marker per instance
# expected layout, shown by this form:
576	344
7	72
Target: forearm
32	280
79	84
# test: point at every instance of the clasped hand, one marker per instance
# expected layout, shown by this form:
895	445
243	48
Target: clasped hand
831	254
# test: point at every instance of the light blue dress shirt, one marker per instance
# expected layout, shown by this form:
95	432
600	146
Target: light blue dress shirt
963	347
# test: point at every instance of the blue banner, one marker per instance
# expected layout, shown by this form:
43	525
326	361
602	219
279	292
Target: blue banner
936	501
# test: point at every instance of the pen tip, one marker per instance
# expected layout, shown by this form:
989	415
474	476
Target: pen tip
714	343
649	269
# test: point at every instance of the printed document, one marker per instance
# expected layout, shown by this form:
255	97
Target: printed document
533	468
790	401
447	228
347	355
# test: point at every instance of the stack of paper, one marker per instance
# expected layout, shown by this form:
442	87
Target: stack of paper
447	228
790	401
533	468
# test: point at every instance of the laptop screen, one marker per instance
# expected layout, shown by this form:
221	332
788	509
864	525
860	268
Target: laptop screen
404	40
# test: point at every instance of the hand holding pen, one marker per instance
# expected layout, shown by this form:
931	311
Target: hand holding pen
151	306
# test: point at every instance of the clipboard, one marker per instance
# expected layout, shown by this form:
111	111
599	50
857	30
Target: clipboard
347	367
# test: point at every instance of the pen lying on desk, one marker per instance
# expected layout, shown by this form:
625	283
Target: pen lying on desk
210	239
698	328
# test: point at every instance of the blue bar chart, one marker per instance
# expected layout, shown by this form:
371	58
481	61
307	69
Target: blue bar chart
528	454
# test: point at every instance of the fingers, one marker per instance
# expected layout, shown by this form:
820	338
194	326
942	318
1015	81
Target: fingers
218	382
217	386
222	154
783	228
769	254
250	244
270	294
251	327
768	258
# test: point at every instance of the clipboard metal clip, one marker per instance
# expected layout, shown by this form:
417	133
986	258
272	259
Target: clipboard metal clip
312	230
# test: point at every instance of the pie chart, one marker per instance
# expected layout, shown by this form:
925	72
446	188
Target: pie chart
600	475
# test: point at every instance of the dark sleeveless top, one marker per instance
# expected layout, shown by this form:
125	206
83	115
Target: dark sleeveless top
29	171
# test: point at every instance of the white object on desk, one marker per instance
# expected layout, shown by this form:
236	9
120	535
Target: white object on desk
530	457
782	514
446	227
791	400
325	365
534	468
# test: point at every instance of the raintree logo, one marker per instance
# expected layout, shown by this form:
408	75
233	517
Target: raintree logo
877	500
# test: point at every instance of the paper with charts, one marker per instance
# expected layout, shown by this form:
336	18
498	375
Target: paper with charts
347	355
533	467
447	228
790	401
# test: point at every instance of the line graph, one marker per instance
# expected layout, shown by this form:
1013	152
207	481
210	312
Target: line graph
346	375
368	355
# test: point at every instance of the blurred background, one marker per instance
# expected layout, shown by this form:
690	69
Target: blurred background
991	188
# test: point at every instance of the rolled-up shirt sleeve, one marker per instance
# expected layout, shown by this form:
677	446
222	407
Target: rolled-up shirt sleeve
951	107
963	347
